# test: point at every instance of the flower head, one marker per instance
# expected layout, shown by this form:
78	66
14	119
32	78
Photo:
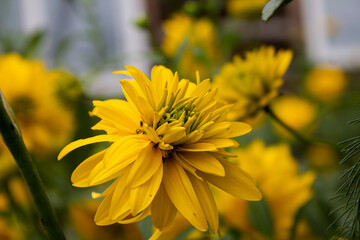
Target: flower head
326	83
285	190
167	146
32	92
251	83
192	43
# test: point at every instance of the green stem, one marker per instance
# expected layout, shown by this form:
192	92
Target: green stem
12	138
297	135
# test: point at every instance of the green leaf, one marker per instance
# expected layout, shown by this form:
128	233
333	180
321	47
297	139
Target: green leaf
261	219
271	7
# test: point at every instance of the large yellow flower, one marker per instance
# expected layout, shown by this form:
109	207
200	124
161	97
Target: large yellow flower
251	83
32	92
167	146
285	190
245	8
192	43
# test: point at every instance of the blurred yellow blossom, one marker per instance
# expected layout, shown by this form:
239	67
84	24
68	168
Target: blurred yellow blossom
245	8
192	43
168	143
32	92
296	112
285	190
326	83
250	83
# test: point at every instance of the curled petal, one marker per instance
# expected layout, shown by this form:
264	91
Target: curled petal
82	142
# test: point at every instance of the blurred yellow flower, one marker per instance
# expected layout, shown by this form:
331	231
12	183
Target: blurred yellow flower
251	83
192	43
168	143
245	8
285	190
32	92
296	112
326	83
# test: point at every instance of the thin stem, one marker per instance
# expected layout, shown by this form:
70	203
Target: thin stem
301	138
12	138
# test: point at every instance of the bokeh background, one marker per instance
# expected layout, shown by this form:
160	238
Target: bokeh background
56	56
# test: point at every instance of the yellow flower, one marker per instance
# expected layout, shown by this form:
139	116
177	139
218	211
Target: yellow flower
326	83
245	8
167	146
251	83
285	190
296	112
190	42
32	93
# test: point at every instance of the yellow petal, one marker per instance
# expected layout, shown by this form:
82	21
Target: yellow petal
201	89
131	90
151	134
144	167
82	142
119	112
163	210
139	217
218	130
235	182
146	111
107	191
186	165
100	174
121	72
119	206
174	135
156	235
110	128
102	213
181	193
79	177
207	202
143	82
202	161
238	129
124	148
198	147
121	156
220	142
142	196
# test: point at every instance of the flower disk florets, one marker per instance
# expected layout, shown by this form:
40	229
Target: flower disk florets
168	143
